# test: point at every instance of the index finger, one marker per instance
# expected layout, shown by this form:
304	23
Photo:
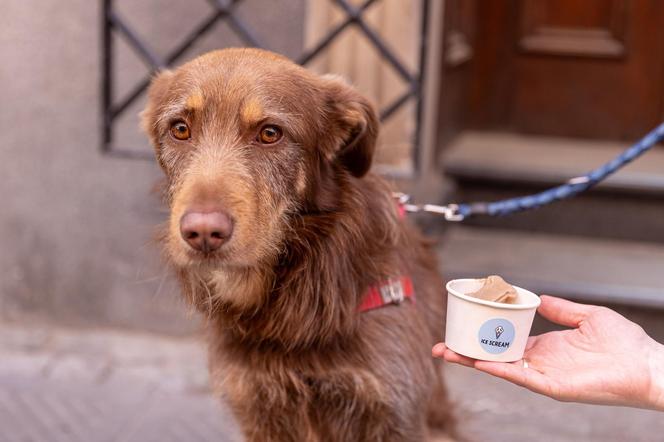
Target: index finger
441	351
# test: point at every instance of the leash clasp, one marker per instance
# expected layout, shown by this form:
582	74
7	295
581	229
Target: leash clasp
450	211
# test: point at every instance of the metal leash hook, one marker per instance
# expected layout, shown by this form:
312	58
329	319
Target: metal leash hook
450	211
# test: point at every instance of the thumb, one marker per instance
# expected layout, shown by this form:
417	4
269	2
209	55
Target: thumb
563	312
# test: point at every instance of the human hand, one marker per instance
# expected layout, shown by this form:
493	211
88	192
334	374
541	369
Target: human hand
603	359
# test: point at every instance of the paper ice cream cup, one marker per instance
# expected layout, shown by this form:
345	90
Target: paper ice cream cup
486	330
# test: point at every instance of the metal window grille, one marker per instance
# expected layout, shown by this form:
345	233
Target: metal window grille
224	10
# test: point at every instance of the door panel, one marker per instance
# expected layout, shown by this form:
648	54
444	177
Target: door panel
459	35
569	27
592	68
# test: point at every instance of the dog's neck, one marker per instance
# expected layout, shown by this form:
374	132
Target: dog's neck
311	297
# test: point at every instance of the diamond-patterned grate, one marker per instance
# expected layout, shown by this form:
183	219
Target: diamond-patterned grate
225	11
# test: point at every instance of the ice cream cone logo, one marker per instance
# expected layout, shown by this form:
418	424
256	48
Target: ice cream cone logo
496	335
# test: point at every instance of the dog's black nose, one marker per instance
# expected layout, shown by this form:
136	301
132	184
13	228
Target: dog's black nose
206	232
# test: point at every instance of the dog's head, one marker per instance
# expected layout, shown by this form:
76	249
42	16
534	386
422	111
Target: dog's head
247	140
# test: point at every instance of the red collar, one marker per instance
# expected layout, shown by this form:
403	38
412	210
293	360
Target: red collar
392	291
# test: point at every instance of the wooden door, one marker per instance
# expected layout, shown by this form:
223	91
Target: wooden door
591	68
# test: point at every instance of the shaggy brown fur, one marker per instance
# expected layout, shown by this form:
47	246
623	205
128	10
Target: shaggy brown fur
312	230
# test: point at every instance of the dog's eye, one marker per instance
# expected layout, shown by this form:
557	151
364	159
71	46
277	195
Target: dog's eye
180	130
269	134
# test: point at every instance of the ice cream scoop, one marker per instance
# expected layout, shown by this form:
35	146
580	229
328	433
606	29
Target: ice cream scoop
494	288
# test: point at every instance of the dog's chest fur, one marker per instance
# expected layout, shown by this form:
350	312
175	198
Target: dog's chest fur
340	390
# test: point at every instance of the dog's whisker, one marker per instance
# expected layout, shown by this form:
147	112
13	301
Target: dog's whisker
161	284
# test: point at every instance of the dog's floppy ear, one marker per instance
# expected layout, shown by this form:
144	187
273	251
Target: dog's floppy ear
354	126
157	94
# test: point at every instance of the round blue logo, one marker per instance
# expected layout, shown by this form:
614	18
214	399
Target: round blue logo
496	335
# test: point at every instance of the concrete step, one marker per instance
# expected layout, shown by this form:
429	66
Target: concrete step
493	166
597	271
516	158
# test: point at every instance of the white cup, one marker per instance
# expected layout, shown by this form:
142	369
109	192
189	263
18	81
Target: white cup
486	330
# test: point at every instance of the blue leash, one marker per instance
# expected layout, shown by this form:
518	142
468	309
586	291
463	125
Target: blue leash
459	212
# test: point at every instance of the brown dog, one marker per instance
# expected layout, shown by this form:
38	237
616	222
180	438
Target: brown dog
277	232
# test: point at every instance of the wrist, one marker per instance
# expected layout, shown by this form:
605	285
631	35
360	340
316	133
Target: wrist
655	396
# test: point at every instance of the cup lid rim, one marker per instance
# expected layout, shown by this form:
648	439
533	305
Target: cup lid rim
499	305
